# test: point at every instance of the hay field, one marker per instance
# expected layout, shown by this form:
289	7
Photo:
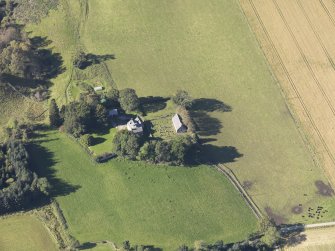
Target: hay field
206	48
297	38
321	239
24	233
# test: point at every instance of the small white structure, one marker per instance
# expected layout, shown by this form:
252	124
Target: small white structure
178	125
98	88
135	125
113	113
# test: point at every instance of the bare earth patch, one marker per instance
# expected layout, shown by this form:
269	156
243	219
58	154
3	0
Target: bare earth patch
278	219
324	189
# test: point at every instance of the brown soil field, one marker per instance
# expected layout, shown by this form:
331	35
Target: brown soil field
297	37
321	239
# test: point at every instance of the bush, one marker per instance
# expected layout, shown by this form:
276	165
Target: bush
87	139
183	99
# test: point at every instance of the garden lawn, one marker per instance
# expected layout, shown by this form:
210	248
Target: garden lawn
103	142
24	233
156	205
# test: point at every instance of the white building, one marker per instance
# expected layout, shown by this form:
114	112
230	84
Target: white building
135	125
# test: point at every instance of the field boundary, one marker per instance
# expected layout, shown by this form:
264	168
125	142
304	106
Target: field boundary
236	183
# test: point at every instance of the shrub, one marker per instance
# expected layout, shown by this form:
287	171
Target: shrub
87	139
183	99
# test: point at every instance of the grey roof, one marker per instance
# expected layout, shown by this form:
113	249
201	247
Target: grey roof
177	124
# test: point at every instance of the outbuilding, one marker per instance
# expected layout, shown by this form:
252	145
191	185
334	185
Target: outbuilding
178	125
98	88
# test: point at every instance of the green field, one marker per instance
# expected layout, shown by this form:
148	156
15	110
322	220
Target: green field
24	233
158	205
207	48
103	142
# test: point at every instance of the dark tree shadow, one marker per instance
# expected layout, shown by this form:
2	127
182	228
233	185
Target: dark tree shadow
87	245
152	104
42	162
86	60
292	234
210	105
212	155
205	124
98	140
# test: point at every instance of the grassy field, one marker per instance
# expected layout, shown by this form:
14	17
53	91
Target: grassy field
24	233
158	205
309	89
205	47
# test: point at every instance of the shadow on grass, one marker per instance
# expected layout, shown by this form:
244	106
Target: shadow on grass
92	59
210	105
213	155
42	162
98	140
152	104
87	245
292	234
205	124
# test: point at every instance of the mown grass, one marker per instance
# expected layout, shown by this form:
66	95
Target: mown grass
24	233
146	204
206	48
103	142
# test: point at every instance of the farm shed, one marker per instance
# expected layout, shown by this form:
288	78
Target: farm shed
98	88
178	125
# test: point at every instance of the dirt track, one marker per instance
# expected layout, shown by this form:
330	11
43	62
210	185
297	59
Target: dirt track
297	38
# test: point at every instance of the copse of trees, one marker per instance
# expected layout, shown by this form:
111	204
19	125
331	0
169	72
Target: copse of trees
129	100
81	117
21	56
126	144
19	186
176	151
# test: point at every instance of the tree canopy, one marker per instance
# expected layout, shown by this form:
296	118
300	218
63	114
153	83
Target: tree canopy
129	100
183	99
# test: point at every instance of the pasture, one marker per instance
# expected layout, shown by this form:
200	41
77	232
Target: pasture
206	48
146	204
297	38
24	233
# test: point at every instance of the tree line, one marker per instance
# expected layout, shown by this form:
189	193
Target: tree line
24	61
19	186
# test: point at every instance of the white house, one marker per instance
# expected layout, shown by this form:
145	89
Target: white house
135	125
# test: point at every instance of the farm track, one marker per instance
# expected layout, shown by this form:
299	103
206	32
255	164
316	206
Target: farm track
304	75
236	183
